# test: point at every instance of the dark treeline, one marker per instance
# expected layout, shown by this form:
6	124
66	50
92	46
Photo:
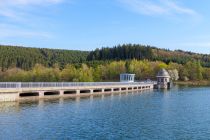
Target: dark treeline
26	58
141	52
122	52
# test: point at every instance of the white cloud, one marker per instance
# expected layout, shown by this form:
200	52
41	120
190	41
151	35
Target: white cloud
29	2
13	31
143	7
12	8
15	15
158	7
175	8
7	13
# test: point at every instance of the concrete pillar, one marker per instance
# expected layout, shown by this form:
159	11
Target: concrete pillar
112	89
41	94
61	93
91	91
77	92
5	97
102	90
120	89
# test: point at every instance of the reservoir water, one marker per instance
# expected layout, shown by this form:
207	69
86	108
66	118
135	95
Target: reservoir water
181	113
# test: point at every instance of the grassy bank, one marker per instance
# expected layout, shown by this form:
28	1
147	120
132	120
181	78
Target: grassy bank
194	83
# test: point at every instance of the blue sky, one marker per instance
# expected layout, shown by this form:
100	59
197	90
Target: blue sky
90	24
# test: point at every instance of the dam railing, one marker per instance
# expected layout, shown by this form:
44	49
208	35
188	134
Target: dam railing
65	84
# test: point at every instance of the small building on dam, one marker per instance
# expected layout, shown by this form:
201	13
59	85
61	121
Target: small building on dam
163	80
126	77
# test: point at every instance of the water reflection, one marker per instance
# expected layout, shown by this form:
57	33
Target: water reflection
40	103
77	99
61	101
8	107
173	114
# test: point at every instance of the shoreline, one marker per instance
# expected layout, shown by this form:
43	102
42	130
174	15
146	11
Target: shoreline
193	83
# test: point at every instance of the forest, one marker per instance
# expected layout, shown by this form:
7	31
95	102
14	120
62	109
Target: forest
20	64
26	58
141	52
109	71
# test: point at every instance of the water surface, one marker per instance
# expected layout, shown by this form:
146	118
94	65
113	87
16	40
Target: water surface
181	113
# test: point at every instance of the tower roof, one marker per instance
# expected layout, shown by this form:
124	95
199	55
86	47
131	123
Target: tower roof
163	73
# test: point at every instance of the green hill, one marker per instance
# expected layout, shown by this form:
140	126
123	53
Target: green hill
105	64
140	52
26	58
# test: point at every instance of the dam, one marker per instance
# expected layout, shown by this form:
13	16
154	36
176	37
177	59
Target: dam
16	91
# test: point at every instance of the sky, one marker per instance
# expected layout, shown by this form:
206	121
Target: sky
91	24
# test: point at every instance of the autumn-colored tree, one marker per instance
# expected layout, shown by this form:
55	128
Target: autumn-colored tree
206	73
107	71
174	74
85	74
199	70
69	74
114	69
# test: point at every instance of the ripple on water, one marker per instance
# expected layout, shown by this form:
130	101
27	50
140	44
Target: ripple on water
181	113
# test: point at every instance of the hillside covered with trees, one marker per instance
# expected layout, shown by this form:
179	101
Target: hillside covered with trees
26	58
105	64
140	52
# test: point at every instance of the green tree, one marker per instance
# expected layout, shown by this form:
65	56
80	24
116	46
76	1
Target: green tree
199	71
69	74
85	74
